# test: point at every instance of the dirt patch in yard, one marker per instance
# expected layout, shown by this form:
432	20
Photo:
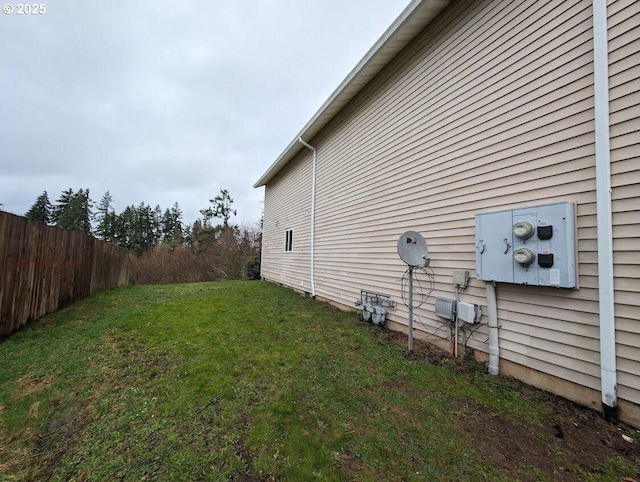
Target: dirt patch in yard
572	442
32	384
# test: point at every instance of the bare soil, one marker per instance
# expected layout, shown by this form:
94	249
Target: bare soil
574	440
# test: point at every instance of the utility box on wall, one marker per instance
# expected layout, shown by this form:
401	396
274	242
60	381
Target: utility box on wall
534	246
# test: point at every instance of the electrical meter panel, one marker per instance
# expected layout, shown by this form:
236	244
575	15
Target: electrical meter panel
534	246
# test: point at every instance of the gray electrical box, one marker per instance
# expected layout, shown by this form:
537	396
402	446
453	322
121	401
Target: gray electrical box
534	246
445	308
461	278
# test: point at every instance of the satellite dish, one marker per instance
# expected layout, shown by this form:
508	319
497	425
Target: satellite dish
412	248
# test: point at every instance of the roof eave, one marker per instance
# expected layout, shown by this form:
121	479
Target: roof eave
414	18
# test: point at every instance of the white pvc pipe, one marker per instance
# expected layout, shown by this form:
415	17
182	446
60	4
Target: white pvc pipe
313	216
492	313
457	327
608	377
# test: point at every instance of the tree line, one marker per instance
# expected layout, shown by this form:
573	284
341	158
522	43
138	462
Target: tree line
155	232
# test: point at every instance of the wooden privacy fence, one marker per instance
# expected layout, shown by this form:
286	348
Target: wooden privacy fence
43	268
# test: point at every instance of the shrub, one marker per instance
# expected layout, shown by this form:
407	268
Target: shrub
253	268
227	254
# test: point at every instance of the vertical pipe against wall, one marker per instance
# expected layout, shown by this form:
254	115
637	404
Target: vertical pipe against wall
313	217
410	346
608	377
492	313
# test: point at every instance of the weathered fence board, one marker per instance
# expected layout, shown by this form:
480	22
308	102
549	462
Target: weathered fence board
44	268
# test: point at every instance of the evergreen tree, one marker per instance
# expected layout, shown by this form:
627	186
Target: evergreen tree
157	225
81	211
60	212
220	208
106	217
41	209
172	231
200	235
138	228
73	211
124	224
191	235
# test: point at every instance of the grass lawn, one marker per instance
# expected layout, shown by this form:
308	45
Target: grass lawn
249	381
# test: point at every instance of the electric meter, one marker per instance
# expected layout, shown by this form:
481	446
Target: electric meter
523	230
524	256
531	245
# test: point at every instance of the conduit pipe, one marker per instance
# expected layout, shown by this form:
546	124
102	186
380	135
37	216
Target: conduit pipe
608	377
313	215
492	313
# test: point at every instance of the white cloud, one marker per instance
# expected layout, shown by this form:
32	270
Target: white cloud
168	101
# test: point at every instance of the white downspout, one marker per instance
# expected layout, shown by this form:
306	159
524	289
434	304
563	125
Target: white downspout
492	313
313	216
608	377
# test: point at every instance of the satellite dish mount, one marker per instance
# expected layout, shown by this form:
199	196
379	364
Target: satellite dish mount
412	249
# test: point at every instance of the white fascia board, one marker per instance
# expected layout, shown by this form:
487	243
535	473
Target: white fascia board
414	18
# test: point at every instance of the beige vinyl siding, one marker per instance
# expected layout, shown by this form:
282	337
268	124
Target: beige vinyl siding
624	106
490	108
287	206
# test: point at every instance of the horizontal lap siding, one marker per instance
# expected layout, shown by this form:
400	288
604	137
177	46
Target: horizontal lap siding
288	206
490	108
624	92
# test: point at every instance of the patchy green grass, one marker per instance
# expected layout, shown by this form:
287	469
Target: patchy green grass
249	381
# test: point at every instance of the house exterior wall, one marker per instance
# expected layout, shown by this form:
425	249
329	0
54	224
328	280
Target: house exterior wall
287	207
624	107
489	108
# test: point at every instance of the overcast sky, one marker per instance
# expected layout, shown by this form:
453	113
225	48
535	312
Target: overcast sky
161	101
